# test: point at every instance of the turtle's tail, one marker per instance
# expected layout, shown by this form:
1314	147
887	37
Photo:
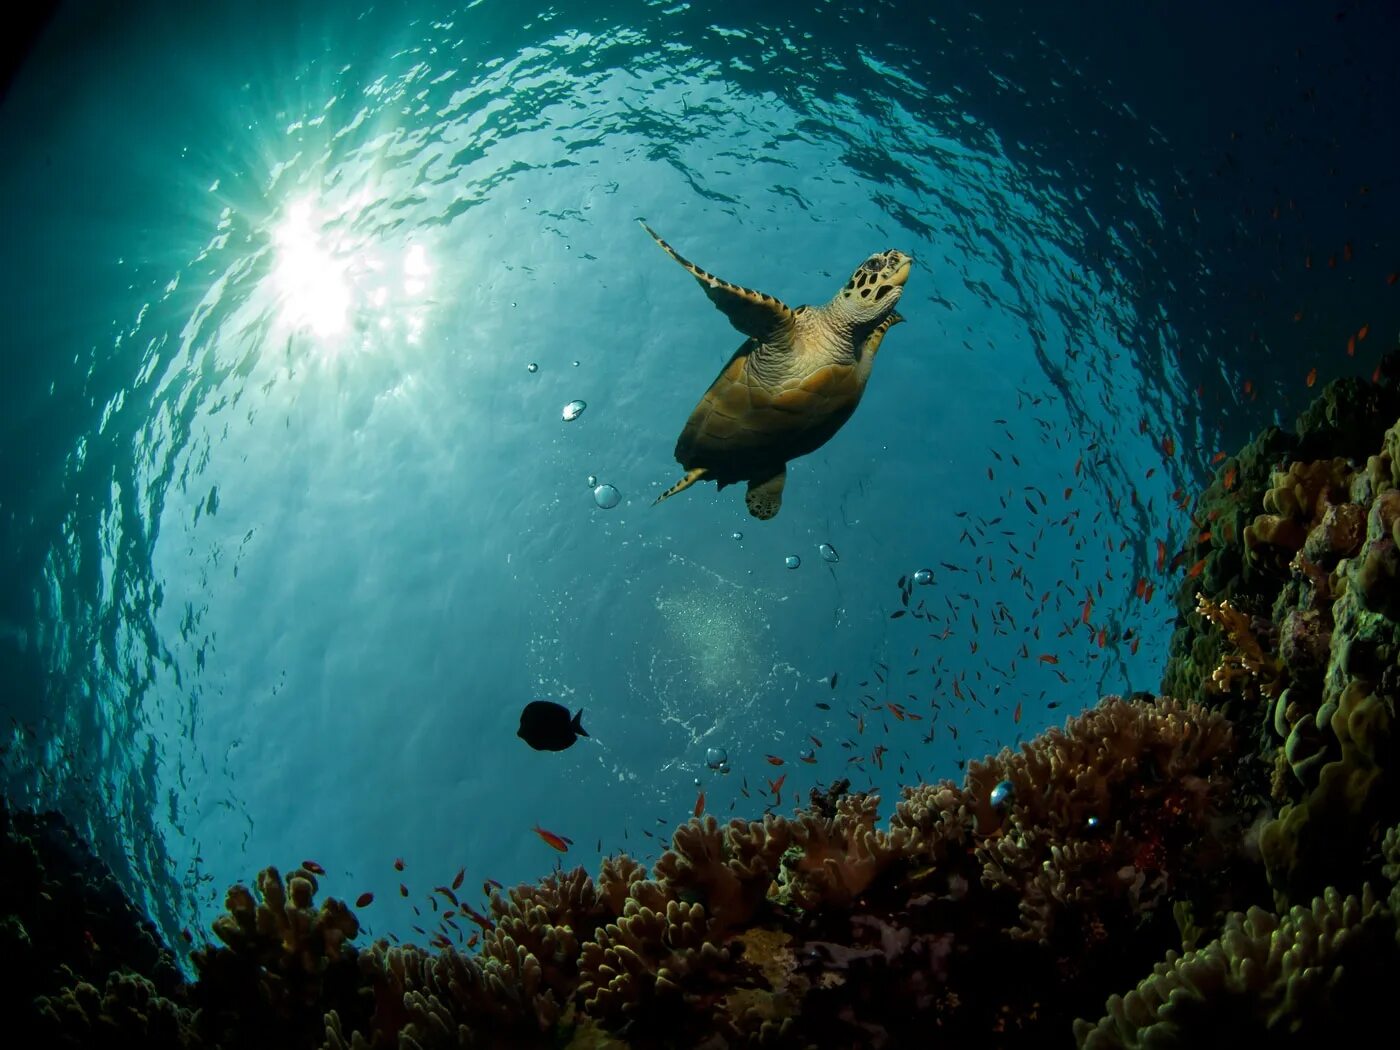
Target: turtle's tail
691	477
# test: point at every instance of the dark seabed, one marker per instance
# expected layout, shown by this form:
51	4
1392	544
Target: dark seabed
295	517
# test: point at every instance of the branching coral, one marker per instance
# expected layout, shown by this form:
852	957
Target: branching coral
1247	668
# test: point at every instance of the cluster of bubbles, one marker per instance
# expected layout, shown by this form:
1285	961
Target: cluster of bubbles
717	758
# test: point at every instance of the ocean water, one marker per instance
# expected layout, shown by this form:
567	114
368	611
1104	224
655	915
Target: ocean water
295	296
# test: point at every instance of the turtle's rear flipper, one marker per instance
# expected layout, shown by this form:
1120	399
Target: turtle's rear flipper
691	477
765	495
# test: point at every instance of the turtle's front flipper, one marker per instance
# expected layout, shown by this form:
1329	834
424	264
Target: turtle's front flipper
765	495
756	314
691	477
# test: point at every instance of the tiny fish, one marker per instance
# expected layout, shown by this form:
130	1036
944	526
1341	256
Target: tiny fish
699	804
546	726
313	867
457	880
364	900
558	842
398	864
774	760
403	890
1049	658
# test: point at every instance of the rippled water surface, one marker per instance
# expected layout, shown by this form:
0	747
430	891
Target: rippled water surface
342	378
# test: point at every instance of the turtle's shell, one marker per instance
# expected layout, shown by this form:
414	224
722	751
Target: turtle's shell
743	428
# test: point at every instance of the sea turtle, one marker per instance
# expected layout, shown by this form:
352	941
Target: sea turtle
796	379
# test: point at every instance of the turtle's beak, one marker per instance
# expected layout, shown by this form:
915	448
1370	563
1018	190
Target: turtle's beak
903	264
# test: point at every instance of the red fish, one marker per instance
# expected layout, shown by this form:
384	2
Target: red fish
313	867
364	900
558	842
398	864
1049	658
457	879
1216	458
1312	375
1016	715
1362	333
1161	555
1197	568
1351	347
403	890
774	760
1229	479
699	804
1088	609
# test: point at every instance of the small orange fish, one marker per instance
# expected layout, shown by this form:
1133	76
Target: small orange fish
471	941
1362	333
1134	646
699	804
1312	374
811	760
1161	555
1102	638
1351	347
364	900
1151	589
457	879
776	786
896	710
1217	458
1088	609
313	867
1197	568
1016	715
1248	387
403	890
814	740
1169	446
1229	479
398	864
773	760
558	842
1048	658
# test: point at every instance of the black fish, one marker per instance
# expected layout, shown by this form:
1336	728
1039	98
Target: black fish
546	726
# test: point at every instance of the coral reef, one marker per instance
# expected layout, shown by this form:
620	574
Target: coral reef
1232	847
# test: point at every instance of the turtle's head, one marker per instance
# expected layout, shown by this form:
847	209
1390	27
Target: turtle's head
875	287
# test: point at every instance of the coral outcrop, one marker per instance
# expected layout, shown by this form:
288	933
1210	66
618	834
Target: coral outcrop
1231	847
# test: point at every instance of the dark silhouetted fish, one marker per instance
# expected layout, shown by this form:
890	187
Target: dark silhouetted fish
546	726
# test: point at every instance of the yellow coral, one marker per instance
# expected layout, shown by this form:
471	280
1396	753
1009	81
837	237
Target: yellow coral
1249	665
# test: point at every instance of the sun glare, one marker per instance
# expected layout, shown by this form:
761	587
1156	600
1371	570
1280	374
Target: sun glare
338	285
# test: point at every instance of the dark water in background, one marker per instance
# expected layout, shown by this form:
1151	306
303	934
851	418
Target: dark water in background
290	532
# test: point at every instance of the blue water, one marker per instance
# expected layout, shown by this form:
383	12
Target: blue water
291	531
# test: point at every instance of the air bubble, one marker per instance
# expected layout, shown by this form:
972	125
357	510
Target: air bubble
828	552
923	577
792	561
607	497
573	410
